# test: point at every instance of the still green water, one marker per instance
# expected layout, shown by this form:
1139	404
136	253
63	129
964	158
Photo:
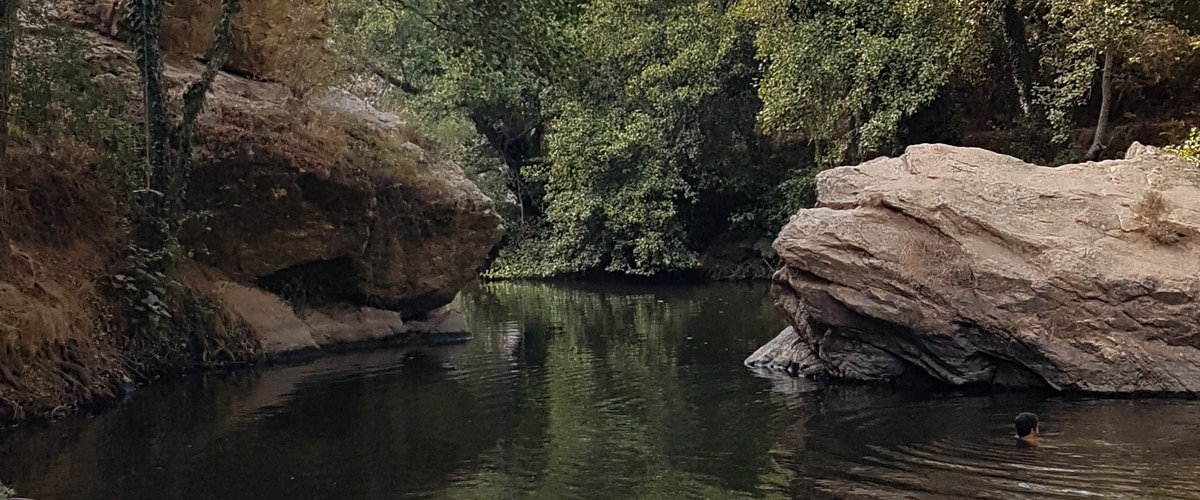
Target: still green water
592	392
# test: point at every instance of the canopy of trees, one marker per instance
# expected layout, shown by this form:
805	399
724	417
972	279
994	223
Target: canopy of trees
652	136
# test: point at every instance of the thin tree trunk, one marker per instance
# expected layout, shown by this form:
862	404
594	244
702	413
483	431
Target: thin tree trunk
8	35
1021	60
1105	107
852	144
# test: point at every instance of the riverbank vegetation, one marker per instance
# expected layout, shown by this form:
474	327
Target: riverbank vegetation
664	136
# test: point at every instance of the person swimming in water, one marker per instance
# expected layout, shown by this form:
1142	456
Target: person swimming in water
1027	429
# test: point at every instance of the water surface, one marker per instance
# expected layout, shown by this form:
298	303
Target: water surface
593	392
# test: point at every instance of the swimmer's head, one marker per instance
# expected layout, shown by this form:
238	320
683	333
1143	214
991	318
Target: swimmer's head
1026	423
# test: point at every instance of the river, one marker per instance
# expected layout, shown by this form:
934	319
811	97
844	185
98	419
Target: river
593	391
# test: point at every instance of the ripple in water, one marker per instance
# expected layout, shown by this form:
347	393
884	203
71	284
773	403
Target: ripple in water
962	448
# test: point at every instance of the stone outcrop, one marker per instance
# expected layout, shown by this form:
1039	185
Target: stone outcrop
977	269
334	205
330	203
332	196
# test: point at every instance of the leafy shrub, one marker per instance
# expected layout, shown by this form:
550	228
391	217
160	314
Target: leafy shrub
1190	148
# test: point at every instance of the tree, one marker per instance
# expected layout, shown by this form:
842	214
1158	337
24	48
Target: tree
8	35
1021	60
485	63
160	212
1089	29
167	181
145	24
642	145
842	74
1091	37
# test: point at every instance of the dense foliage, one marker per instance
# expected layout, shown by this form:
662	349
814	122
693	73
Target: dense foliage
653	136
642	145
843	74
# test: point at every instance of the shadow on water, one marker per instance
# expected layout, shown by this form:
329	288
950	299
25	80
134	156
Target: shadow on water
600	391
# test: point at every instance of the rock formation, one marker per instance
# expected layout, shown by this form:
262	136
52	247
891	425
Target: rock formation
315	220
977	269
328	203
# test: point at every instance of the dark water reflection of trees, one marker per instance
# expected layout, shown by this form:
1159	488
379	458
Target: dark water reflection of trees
613	391
632	391
602	392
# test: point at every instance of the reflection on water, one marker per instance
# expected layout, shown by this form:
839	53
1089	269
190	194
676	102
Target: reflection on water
594	392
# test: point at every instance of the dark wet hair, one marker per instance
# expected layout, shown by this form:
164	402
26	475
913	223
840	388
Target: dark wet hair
1026	422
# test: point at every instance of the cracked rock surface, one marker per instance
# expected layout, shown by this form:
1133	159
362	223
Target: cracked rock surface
976	269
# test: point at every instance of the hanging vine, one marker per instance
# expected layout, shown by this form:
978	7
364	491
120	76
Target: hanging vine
145	25
151	292
194	97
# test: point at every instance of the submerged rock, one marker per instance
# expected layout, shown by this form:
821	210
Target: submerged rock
975	268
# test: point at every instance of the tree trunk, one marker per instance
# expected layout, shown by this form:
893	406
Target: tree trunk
1105	107
8	35
193	103
1021	60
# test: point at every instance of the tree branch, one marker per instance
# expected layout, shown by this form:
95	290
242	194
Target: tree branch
400	82
399	6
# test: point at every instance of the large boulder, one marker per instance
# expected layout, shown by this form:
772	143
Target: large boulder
977	269
326	201
334	203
